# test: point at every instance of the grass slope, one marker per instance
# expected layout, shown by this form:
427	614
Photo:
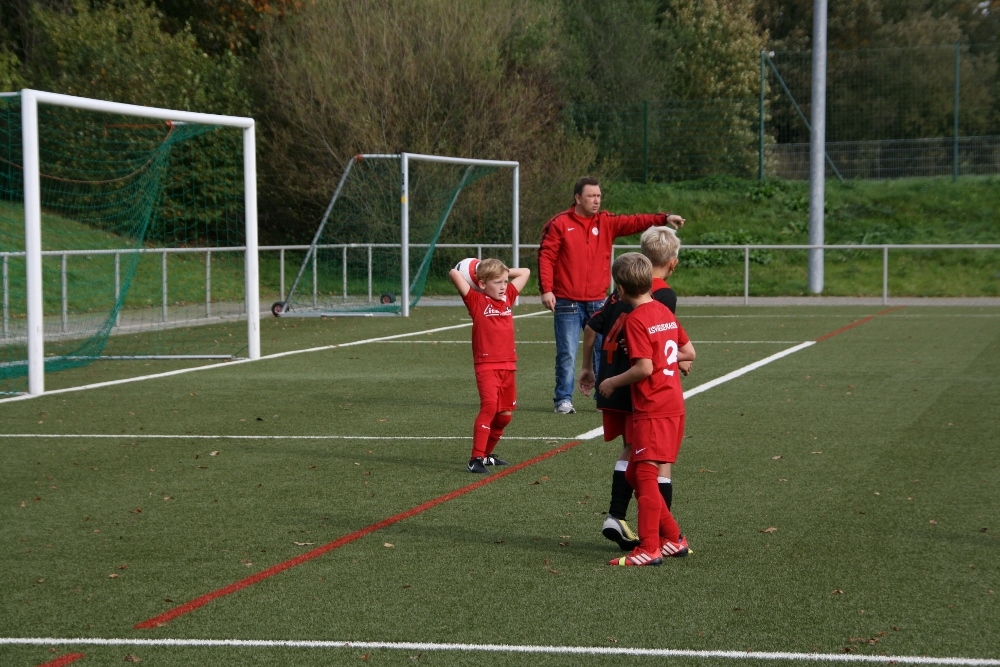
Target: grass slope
926	210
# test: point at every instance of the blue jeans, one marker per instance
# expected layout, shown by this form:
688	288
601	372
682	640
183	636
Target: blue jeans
570	318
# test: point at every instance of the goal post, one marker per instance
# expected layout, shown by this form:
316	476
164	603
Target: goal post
30	100
443	207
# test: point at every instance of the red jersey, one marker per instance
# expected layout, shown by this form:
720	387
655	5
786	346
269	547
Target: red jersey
492	330
574	255
652	332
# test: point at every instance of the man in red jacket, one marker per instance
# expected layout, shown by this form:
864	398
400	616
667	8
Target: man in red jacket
574	260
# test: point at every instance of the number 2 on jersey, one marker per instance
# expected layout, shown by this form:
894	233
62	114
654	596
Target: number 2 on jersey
670	350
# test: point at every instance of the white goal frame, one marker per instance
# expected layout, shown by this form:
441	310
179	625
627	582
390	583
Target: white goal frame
405	159
30	99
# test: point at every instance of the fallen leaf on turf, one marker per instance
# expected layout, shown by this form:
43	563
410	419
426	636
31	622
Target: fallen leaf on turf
131	658
933	522
303	544
498	542
770	529
837	591
546	561
553	571
705	470
112	576
565	537
40	581
123	567
775	458
23	505
215	453
137	510
167	600
364	657
388	545
564	544
816	452
168	497
782	479
406	585
533	483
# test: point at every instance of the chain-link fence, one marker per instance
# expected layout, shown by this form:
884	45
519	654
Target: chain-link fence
891	113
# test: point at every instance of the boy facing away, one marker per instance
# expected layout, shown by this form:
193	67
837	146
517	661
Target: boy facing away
656	345
493	354
661	246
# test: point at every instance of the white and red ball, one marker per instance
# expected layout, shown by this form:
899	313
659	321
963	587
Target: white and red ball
467	267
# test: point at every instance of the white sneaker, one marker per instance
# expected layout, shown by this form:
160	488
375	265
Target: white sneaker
565	408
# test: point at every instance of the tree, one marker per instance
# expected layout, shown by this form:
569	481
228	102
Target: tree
432	76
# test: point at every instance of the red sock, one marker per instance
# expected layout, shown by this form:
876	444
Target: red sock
499	423
655	521
481	430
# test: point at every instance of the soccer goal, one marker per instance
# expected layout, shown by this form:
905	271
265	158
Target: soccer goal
395	225
126	233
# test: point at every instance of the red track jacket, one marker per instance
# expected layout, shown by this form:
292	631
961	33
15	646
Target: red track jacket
574	257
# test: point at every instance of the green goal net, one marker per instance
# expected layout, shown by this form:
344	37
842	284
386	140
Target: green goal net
141	230
356	264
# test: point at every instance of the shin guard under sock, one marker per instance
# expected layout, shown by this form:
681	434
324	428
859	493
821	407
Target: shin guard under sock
666	490
621	491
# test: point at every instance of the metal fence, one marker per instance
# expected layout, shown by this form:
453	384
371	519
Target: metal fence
281	250
891	113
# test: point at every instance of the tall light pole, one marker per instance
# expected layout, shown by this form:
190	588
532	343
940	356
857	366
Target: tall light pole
817	146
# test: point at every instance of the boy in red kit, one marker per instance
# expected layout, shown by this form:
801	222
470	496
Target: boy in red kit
493	354
656	344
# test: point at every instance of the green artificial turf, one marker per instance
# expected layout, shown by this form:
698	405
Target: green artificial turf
840	499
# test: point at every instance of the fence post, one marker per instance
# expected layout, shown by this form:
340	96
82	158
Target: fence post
65	299
163	274
760	127
118	289
746	275
208	283
954	147
343	266
6	297
281	269
885	275
369	273
645	141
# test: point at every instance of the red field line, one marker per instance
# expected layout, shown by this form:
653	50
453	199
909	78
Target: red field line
63	660
858	323
201	601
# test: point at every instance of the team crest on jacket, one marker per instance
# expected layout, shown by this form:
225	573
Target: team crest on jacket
492	311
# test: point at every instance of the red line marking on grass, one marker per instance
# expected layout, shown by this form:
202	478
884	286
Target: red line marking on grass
858	323
63	660
201	601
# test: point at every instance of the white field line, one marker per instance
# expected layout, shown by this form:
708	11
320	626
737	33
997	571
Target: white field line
552	342
504	648
719	380
589	435
151	436
229	364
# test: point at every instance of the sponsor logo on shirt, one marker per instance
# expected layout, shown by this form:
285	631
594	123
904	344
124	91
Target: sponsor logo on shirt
569	229
666	326
492	311
595	231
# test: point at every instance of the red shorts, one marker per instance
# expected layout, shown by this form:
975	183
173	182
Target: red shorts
617	423
497	387
657	438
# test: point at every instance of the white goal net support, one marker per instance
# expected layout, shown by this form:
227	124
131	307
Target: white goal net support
126	232
395	225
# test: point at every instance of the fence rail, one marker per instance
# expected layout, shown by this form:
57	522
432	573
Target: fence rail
746	249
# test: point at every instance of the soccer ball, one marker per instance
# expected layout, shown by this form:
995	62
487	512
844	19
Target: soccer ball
467	267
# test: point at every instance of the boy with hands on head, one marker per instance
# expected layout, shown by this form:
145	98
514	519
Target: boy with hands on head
656	345
493	354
